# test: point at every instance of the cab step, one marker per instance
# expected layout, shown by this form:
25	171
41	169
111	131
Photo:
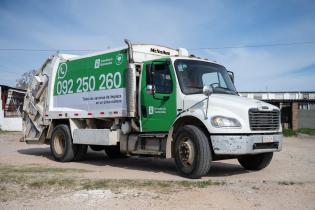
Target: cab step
147	152
153	135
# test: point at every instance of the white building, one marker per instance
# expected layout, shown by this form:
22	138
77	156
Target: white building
297	107
11	108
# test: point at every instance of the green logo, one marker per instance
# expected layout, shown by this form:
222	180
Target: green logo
97	63
119	59
151	110
62	70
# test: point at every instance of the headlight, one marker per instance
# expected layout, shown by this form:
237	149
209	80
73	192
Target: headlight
220	121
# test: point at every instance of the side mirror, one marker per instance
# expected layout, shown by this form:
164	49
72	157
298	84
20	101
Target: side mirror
207	90
231	75
149	89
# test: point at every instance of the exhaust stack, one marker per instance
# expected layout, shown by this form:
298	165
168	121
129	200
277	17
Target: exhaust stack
131	82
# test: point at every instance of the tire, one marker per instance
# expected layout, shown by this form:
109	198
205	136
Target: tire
192	152
81	152
113	152
97	147
256	162
61	145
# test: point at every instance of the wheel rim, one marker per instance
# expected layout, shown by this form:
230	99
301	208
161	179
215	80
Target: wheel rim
59	144
186	152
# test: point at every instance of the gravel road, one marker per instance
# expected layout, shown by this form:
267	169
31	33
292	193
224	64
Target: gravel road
288	183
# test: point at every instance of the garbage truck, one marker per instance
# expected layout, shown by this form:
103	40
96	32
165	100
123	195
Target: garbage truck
148	100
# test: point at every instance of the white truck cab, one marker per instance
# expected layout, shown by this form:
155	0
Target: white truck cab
236	124
149	100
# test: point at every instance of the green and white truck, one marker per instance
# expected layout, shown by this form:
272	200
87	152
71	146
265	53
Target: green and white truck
148	100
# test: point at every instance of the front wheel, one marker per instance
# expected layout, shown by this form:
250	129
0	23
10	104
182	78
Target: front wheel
255	162
192	152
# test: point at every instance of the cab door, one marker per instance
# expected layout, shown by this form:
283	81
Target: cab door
158	96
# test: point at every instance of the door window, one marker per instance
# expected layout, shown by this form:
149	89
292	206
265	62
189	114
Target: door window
160	78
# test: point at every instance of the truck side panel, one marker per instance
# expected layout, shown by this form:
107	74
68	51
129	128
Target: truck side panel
90	84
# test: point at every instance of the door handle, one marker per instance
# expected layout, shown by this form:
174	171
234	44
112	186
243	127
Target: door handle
164	98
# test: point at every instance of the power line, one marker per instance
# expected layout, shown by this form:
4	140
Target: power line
47	50
256	45
201	48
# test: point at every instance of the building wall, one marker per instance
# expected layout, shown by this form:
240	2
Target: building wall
297	108
9	123
307	118
295	115
279	95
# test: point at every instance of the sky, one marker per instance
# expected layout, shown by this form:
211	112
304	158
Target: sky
212	24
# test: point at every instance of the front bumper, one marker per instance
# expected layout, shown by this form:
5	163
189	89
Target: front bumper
246	144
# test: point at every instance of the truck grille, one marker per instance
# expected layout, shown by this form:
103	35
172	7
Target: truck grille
264	120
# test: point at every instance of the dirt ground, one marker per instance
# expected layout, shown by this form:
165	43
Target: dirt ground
149	183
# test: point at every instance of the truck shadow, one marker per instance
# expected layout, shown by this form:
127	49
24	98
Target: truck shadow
43	152
155	165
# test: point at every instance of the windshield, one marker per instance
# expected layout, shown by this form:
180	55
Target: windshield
194	75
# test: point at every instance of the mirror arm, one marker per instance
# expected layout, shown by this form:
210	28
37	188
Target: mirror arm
207	91
206	116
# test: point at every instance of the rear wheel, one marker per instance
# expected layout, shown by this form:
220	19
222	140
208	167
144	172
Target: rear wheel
192	152
256	162
61	145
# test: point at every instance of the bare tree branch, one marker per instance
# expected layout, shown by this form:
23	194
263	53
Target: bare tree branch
25	80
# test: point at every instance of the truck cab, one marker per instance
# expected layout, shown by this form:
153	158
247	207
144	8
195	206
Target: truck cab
196	98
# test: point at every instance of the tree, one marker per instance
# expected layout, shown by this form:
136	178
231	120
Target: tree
25	79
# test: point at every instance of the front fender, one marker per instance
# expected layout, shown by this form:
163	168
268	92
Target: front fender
195	117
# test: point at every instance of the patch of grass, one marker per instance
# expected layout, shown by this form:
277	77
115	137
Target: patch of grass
97	184
309	131
35	180
32	185
29	178
36	176
149	184
200	184
3	132
45	182
288	132
7	132
52	182
38	169
12	178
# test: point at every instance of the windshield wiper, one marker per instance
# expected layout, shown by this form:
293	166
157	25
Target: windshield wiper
194	89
